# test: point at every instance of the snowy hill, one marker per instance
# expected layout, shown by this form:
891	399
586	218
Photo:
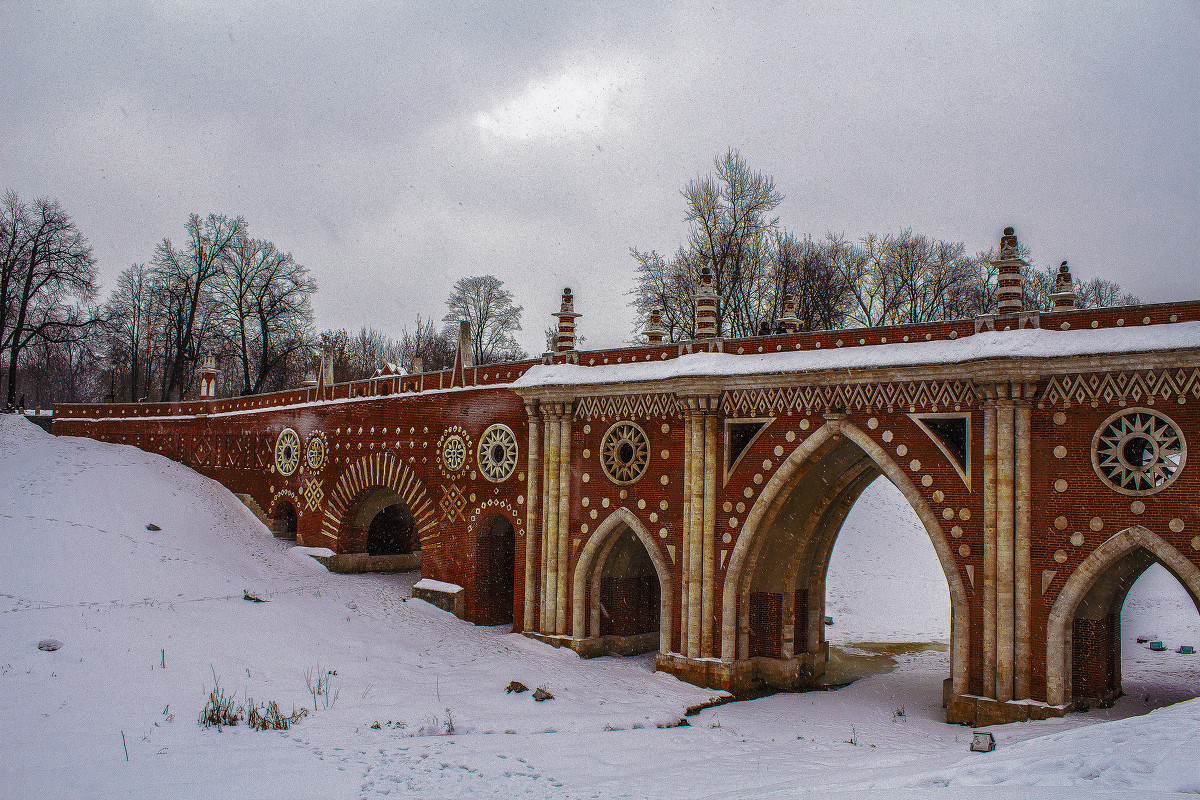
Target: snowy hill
147	618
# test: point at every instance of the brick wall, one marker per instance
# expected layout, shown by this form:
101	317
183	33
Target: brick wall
766	624
1095	658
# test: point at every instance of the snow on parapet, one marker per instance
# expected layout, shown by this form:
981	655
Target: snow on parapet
1027	343
437	586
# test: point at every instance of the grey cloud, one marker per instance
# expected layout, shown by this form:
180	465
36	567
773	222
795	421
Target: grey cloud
348	135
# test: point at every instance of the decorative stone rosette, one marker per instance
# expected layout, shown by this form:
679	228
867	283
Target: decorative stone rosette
287	452
453	451
316	452
1138	451
497	453
624	452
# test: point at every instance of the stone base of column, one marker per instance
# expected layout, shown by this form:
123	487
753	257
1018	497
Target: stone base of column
749	674
711	673
601	645
969	709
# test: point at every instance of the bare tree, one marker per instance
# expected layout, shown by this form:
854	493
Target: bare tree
1094	293
128	313
14	224
435	348
366	352
265	296
360	355
665	288
70	370
730	232
1101	292
186	275
483	301
48	276
921	273
976	293
807	271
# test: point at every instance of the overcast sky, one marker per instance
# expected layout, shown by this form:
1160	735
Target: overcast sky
395	147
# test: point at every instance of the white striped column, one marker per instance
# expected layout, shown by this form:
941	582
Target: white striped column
532	527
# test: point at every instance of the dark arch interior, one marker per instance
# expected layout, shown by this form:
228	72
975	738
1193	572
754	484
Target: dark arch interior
283	524
391	532
495	559
629	596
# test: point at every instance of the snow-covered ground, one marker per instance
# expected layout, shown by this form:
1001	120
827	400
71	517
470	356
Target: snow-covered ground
148	618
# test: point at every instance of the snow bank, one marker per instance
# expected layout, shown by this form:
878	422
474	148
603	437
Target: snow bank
147	619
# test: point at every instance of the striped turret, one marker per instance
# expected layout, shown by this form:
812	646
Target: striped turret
1008	289
706	306
565	341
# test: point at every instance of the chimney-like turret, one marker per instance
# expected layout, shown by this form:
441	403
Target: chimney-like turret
466	354
326	378
789	321
1009	294
208	378
654	331
1062	296
706	306
565	341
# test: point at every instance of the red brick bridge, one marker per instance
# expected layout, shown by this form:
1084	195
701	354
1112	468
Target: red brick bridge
686	497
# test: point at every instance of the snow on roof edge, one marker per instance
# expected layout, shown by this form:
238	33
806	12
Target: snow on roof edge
1027	343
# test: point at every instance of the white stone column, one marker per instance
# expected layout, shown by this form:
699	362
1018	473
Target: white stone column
549	614
532	520
708	572
684	550
1023	677
1005	543
695	544
989	541
564	516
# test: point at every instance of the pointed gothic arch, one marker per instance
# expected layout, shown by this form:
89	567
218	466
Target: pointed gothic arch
735	593
591	560
1099	562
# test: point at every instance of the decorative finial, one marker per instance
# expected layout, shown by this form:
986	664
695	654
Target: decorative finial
654	331
706	306
1062	295
1009	292
565	337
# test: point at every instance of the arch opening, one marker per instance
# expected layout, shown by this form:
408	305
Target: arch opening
283	524
629	595
1158	608
379	523
778	572
495	561
1086	640
885	595
391	532
621	591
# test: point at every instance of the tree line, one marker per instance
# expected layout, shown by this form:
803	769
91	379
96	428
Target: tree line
837	281
218	291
